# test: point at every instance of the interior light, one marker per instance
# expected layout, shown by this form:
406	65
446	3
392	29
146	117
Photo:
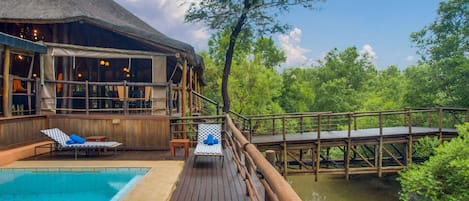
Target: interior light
107	64
102	62
127	75
79	75
34	75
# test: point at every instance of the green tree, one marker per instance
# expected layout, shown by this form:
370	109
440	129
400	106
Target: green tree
340	79
250	76
251	17
384	91
421	87
447	36
445	176
298	92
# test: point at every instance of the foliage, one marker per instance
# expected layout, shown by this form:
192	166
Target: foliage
340	79
425	147
445	176
298	93
245	17
447	35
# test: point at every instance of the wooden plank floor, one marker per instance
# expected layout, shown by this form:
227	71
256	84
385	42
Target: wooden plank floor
360	133
206	180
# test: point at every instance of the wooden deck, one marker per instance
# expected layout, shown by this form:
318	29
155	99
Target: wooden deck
205	180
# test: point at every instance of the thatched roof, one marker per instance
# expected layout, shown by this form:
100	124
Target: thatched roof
104	13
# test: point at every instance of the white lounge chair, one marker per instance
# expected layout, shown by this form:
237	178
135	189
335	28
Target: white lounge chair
209	150
61	139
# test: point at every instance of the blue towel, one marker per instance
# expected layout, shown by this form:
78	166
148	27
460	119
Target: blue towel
70	142
77	139
211	140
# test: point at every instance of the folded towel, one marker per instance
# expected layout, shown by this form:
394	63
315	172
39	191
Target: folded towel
211	140
77	139
70	142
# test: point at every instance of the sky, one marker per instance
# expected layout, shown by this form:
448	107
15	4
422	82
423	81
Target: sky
377	27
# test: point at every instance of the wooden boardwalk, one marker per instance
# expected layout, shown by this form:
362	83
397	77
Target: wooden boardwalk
364	151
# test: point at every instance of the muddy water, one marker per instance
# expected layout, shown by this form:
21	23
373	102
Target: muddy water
336	188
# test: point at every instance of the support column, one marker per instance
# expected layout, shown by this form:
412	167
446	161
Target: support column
6	83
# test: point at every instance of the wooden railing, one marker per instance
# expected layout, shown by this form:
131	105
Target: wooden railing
250	163
90	97
327	121
87	97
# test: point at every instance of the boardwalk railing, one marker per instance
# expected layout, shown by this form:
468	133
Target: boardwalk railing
250	163
294	123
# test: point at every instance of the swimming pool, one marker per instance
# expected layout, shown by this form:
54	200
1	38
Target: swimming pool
70	184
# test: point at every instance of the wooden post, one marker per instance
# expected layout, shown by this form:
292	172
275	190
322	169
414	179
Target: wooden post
184	89
380	147
6	83
170	97
189	89
38	96
285	160
318	150
349	144
270	156
410	140
328	122
87	97
126	101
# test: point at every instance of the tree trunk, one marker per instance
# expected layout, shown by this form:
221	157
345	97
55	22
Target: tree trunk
228	60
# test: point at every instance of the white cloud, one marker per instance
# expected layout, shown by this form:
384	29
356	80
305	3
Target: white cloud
368	50
167	16
409	58
290	44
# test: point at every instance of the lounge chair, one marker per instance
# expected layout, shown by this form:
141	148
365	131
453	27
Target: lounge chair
209	150
61	138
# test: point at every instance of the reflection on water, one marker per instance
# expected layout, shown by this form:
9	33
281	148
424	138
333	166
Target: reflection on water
336	188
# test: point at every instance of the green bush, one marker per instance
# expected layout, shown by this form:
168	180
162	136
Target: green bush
445	176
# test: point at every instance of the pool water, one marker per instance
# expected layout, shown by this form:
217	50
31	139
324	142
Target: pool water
69	184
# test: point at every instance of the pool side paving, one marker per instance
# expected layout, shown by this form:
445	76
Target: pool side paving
158	184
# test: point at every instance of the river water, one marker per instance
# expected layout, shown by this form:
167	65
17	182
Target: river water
336	188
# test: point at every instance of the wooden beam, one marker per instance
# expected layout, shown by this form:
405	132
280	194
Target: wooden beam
6	83
392	156
361	156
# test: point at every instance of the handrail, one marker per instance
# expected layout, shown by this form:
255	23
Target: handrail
217	105
275	182
245	119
